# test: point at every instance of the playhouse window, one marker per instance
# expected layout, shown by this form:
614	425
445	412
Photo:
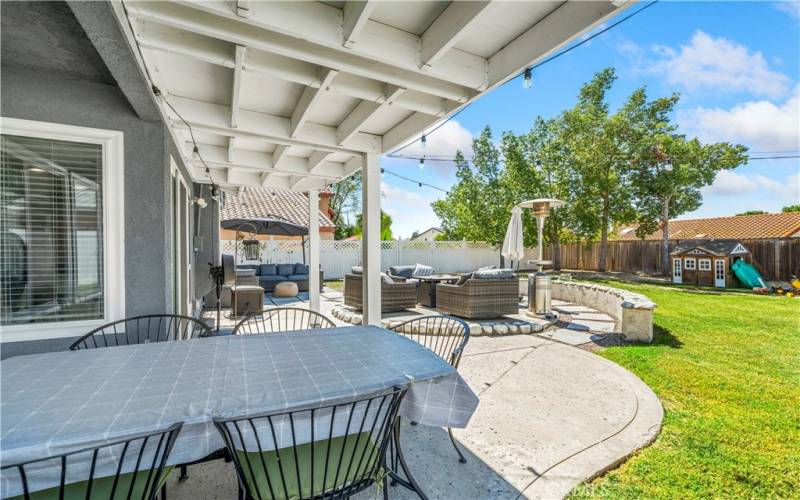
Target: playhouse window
690	264
705	264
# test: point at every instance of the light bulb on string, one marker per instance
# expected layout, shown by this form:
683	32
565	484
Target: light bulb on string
419	184
527	79
422	163
423	141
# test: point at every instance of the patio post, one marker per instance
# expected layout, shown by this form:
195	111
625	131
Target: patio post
313	250
371	239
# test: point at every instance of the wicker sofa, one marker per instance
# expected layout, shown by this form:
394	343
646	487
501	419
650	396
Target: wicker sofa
479	298
394	297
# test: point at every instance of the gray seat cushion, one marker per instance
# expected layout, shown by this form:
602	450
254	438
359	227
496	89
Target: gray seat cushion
297	277
268	270
402	271
493	274
275	279
356	270
285	269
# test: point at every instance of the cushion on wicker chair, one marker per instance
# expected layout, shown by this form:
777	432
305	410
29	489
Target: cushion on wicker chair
352	454
421	270
493	274
402	271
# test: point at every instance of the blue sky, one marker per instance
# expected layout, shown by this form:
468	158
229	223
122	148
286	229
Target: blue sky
735	64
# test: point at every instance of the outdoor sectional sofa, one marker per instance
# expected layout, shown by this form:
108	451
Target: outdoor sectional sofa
270	275
394	296
479	298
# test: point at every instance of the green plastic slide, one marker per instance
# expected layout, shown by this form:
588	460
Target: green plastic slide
747	274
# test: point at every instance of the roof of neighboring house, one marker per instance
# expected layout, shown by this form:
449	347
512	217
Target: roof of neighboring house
429	230
715	247
781	225
253	202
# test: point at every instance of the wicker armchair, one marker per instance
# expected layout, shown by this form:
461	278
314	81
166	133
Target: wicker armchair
394	297
479	298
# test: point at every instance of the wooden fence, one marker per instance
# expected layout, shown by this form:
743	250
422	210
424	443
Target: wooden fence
776	259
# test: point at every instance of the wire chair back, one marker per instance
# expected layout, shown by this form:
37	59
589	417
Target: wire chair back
282	319
143	329
328	452
444	335
131	468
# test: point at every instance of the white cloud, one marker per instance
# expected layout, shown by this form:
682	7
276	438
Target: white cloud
760	125
410	210
719	64
791	7
728	183
445	141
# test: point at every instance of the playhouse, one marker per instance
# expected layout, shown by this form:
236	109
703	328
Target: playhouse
707	262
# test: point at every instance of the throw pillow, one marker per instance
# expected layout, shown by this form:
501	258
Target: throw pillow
268	270
387	279
356	270
300	269
285	269
420	270
463	279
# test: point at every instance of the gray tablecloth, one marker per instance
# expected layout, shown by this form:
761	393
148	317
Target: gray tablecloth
65	401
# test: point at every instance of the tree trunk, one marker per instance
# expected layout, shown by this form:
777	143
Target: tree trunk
665	267
556	252
604	236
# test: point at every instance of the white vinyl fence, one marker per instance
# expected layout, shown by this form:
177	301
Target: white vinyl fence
337	257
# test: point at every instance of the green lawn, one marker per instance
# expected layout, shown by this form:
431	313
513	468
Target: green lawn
727	370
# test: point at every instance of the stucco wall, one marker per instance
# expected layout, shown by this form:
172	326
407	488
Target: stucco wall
53	97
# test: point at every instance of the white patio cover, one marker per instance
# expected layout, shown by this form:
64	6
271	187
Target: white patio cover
513	245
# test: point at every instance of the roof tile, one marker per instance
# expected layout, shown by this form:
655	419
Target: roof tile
781	225
253	202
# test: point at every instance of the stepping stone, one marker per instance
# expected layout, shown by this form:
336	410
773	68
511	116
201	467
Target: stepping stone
567	336
592	316
596	326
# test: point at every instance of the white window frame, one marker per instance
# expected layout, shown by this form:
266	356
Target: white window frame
687	266
704	261
113	226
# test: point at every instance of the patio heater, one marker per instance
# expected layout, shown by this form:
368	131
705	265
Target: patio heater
539	283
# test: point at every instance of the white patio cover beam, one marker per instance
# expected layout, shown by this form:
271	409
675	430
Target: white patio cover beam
219	25
363	112
560	26
236	92
313	250
305	105
371	239
317	159
255	160
216	118
355	15
155	37
445	31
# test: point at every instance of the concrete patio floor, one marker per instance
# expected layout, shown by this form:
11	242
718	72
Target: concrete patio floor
550	416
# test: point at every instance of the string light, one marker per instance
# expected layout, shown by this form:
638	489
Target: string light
424	141
527	80
422	163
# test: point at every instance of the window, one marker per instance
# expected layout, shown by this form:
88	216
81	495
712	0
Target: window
60	271
690	264
704	264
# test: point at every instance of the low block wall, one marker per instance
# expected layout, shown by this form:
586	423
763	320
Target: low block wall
633	311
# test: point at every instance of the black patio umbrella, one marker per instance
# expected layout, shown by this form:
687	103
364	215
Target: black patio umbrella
268	225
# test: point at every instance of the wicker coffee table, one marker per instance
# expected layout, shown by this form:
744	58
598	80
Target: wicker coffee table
426	292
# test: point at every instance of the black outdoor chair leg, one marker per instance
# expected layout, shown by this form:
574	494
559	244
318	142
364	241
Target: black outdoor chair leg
385	489
184	474
453	440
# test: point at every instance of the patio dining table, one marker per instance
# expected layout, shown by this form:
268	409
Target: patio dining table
65	401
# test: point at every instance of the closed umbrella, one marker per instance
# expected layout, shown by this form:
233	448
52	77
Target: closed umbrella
513	245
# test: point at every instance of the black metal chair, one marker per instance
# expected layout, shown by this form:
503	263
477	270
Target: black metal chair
138	471
444	335
143	329
328	452
282	319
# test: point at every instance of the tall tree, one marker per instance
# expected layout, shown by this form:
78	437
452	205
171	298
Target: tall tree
598	150
386	226
667	179
478	206
345	199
